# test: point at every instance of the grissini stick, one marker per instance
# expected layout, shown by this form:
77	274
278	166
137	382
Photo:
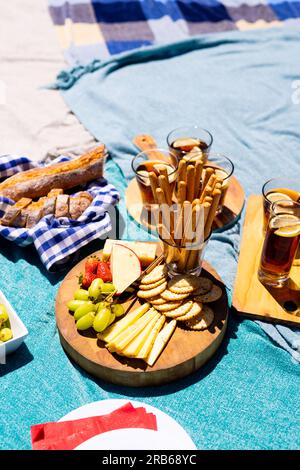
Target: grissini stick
196	222
188	233
181	192
166	211
182	171
198	173
190	181
207	174
164	184
212	212
154	184
206	193
194	255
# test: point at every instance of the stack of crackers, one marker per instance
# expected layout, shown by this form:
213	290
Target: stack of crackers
183	298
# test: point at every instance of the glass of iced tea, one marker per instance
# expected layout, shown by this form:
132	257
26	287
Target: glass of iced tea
281	243
277	189
191	143
158	161
224	169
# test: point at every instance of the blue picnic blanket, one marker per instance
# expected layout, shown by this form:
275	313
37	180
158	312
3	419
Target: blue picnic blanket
89	29
243	87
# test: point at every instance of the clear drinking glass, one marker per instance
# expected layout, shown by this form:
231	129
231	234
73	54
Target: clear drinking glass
159	161
224	169
277	189
190	141
281	242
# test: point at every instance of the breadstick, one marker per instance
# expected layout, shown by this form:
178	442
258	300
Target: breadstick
212	180
181	192
190	181
207	174
208	199
206	193
154	184
198	173
212	212
195	201
194	255
164	184
182	171
188	214
166	211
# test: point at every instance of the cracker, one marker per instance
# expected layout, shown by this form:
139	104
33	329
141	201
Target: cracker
167	307
184	283
179	311
204	286
192	313
147	294
214	294
155	275
158	300
171	296
203	320
153	285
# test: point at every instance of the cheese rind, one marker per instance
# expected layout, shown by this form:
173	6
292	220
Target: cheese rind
146	252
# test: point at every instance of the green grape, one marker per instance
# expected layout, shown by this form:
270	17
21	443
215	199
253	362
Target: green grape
74	304
102	319
95	288
85	322
101	305
3	313
84	309
112	319
107	288
118	310
81	294
5	334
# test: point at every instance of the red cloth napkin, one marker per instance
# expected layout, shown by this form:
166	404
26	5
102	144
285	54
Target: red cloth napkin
67	435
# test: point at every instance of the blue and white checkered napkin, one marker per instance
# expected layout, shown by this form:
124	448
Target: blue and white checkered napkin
57	239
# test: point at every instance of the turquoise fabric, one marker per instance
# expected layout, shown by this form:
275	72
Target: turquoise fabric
247	396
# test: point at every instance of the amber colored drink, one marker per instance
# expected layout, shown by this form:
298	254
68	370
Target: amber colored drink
190	148
142	174
278	194
279	249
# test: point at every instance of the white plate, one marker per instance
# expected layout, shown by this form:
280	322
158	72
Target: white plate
169	434
19	330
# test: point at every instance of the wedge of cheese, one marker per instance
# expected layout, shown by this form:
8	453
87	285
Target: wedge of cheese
125	267
126	336
161	341
136	345
112	331
147	346
146	252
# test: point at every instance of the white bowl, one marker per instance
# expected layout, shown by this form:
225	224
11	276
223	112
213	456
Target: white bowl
19	330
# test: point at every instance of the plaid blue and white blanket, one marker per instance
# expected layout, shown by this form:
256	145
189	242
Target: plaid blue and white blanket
97	29
56	240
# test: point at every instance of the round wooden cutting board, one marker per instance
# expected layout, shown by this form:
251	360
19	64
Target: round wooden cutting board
186	352
233	205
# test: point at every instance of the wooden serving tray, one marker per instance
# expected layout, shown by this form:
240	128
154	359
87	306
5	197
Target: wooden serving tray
233	205
250	297
186	352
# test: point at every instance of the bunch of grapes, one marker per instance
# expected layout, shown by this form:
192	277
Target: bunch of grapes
91	309
5	329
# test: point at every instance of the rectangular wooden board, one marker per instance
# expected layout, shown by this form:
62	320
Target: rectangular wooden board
250	297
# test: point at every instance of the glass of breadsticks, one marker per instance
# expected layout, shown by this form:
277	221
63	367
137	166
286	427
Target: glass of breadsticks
199	180
184	228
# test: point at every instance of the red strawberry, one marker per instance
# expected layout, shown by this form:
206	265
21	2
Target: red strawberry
104	271
87	280
91	265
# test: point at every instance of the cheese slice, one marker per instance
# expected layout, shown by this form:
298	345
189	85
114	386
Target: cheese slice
147	346
135	346
112	331
146	252
121	340
125	267
161	341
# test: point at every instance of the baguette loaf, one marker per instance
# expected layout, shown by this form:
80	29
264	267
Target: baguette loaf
38	182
